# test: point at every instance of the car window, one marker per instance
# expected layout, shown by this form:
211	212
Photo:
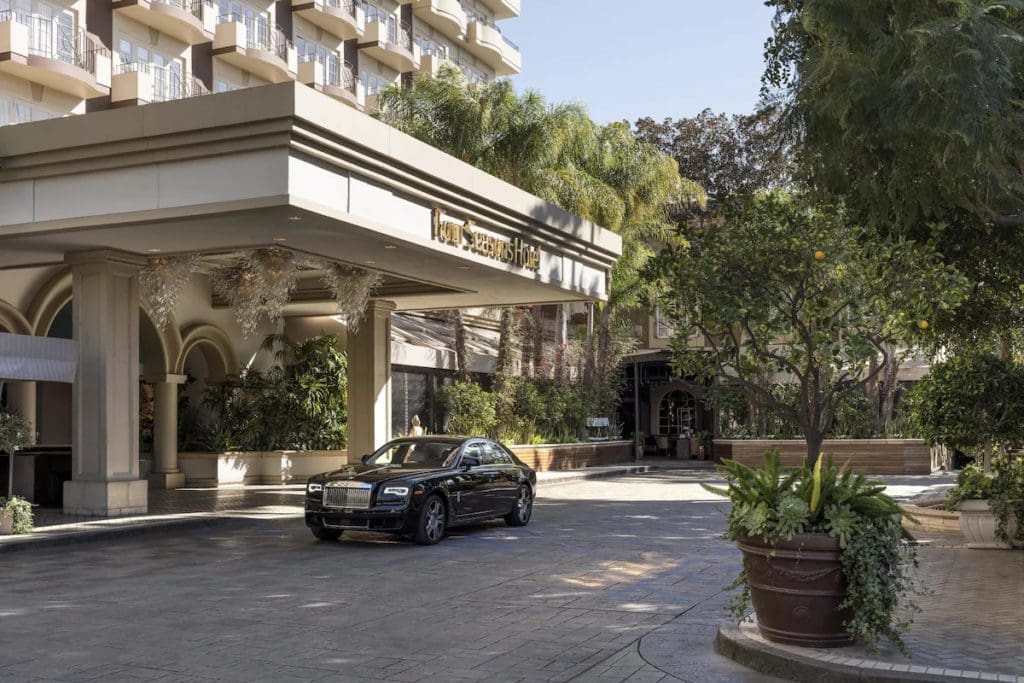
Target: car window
475	450
494	455
414	455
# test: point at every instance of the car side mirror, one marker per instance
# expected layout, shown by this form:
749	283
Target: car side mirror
469	461
366	458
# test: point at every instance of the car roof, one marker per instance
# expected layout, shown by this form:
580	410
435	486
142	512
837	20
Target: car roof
445	438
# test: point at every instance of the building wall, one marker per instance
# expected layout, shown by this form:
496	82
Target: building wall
128	33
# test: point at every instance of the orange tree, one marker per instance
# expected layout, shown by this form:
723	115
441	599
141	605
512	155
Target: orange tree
783	290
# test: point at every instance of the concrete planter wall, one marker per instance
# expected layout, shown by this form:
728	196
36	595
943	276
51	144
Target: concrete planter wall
978	525
574	456
272	467
866	456
6	523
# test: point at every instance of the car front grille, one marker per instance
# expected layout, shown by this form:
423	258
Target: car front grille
345	497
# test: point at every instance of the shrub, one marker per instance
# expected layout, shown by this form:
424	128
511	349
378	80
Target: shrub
21	512
470	408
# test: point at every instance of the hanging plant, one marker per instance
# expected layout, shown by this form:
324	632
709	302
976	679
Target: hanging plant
238	284
278	271
162	282
351	289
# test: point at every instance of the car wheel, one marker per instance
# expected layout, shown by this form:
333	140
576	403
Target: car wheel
325	534
432	522
520	515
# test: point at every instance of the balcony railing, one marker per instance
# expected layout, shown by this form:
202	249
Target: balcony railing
167	84
258	34
347	6
405	36
193	6
335	73
52	38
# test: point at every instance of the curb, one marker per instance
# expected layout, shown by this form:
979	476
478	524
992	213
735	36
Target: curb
786	663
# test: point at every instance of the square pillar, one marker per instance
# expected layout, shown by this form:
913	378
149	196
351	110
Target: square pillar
105	407
369	381
166	474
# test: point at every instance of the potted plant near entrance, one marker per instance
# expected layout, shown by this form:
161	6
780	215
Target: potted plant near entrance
991	506
825	557
15	512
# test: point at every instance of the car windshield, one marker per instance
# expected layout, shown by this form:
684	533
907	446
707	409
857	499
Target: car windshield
415	454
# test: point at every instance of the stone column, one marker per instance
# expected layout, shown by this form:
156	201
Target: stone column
21	398
105	407
369	381
166	474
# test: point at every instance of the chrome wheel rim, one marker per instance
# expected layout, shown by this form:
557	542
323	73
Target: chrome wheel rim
434	526
524	504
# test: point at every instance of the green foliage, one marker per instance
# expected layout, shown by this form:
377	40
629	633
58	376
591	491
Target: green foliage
783	288
910	114
971	484
470	409
772	503
21	513
1006	499
300	405
971	402
15	432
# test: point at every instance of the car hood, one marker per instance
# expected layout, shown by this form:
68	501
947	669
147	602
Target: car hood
373	474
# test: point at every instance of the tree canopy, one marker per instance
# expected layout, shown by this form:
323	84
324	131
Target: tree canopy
782	292
910	113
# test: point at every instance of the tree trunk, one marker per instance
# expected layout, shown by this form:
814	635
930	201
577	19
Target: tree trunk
603	364
561	341
886	398
458	324
504	367
537	315
814	439
589	378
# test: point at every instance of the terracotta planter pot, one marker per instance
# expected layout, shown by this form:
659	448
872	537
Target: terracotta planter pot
796	587
978	525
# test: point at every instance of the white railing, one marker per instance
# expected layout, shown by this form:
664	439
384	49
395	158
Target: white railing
56	38
258	33
167	84
196	7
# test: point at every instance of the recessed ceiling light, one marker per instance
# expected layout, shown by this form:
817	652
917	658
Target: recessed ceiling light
390	246
280	239
295	218
370	263
154	250
463	267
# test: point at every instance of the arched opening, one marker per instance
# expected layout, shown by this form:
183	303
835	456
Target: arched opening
195	417
677	413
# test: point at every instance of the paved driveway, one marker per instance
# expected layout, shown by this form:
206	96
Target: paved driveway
567	598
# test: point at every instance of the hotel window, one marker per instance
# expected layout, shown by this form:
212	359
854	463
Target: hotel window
378	14
13	110
225	86
663	328
257	23
372	83
51	28
168	73
310	51
431	47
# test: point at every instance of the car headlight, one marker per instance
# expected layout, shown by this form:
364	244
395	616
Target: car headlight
314	488
401	492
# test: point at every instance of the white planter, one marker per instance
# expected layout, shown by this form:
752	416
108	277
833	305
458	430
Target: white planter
978	525
6	523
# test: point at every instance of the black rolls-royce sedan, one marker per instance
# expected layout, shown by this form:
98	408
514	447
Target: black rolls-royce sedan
422	486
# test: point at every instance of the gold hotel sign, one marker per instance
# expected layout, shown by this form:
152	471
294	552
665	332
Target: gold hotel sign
468	236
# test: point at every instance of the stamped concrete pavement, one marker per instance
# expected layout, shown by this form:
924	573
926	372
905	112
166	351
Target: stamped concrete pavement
603	564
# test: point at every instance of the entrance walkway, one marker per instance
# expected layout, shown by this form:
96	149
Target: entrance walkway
198	506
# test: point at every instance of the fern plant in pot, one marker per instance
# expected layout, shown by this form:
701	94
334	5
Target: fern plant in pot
826	560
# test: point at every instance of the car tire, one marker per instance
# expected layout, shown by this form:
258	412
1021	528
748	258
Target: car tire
324	534
432	521
521	513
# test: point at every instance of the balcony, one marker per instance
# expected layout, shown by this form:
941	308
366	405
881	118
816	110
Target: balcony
141	83
503	9
42	50
390	44
338	82
447	16
487	43
342	18
430	63
252	46
190	21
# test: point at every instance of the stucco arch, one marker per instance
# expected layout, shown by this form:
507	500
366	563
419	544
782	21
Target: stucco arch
55	294
12	320
216	348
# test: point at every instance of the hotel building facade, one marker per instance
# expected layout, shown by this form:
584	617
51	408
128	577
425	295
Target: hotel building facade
111	160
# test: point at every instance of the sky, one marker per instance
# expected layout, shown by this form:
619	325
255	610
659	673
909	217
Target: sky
658	58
